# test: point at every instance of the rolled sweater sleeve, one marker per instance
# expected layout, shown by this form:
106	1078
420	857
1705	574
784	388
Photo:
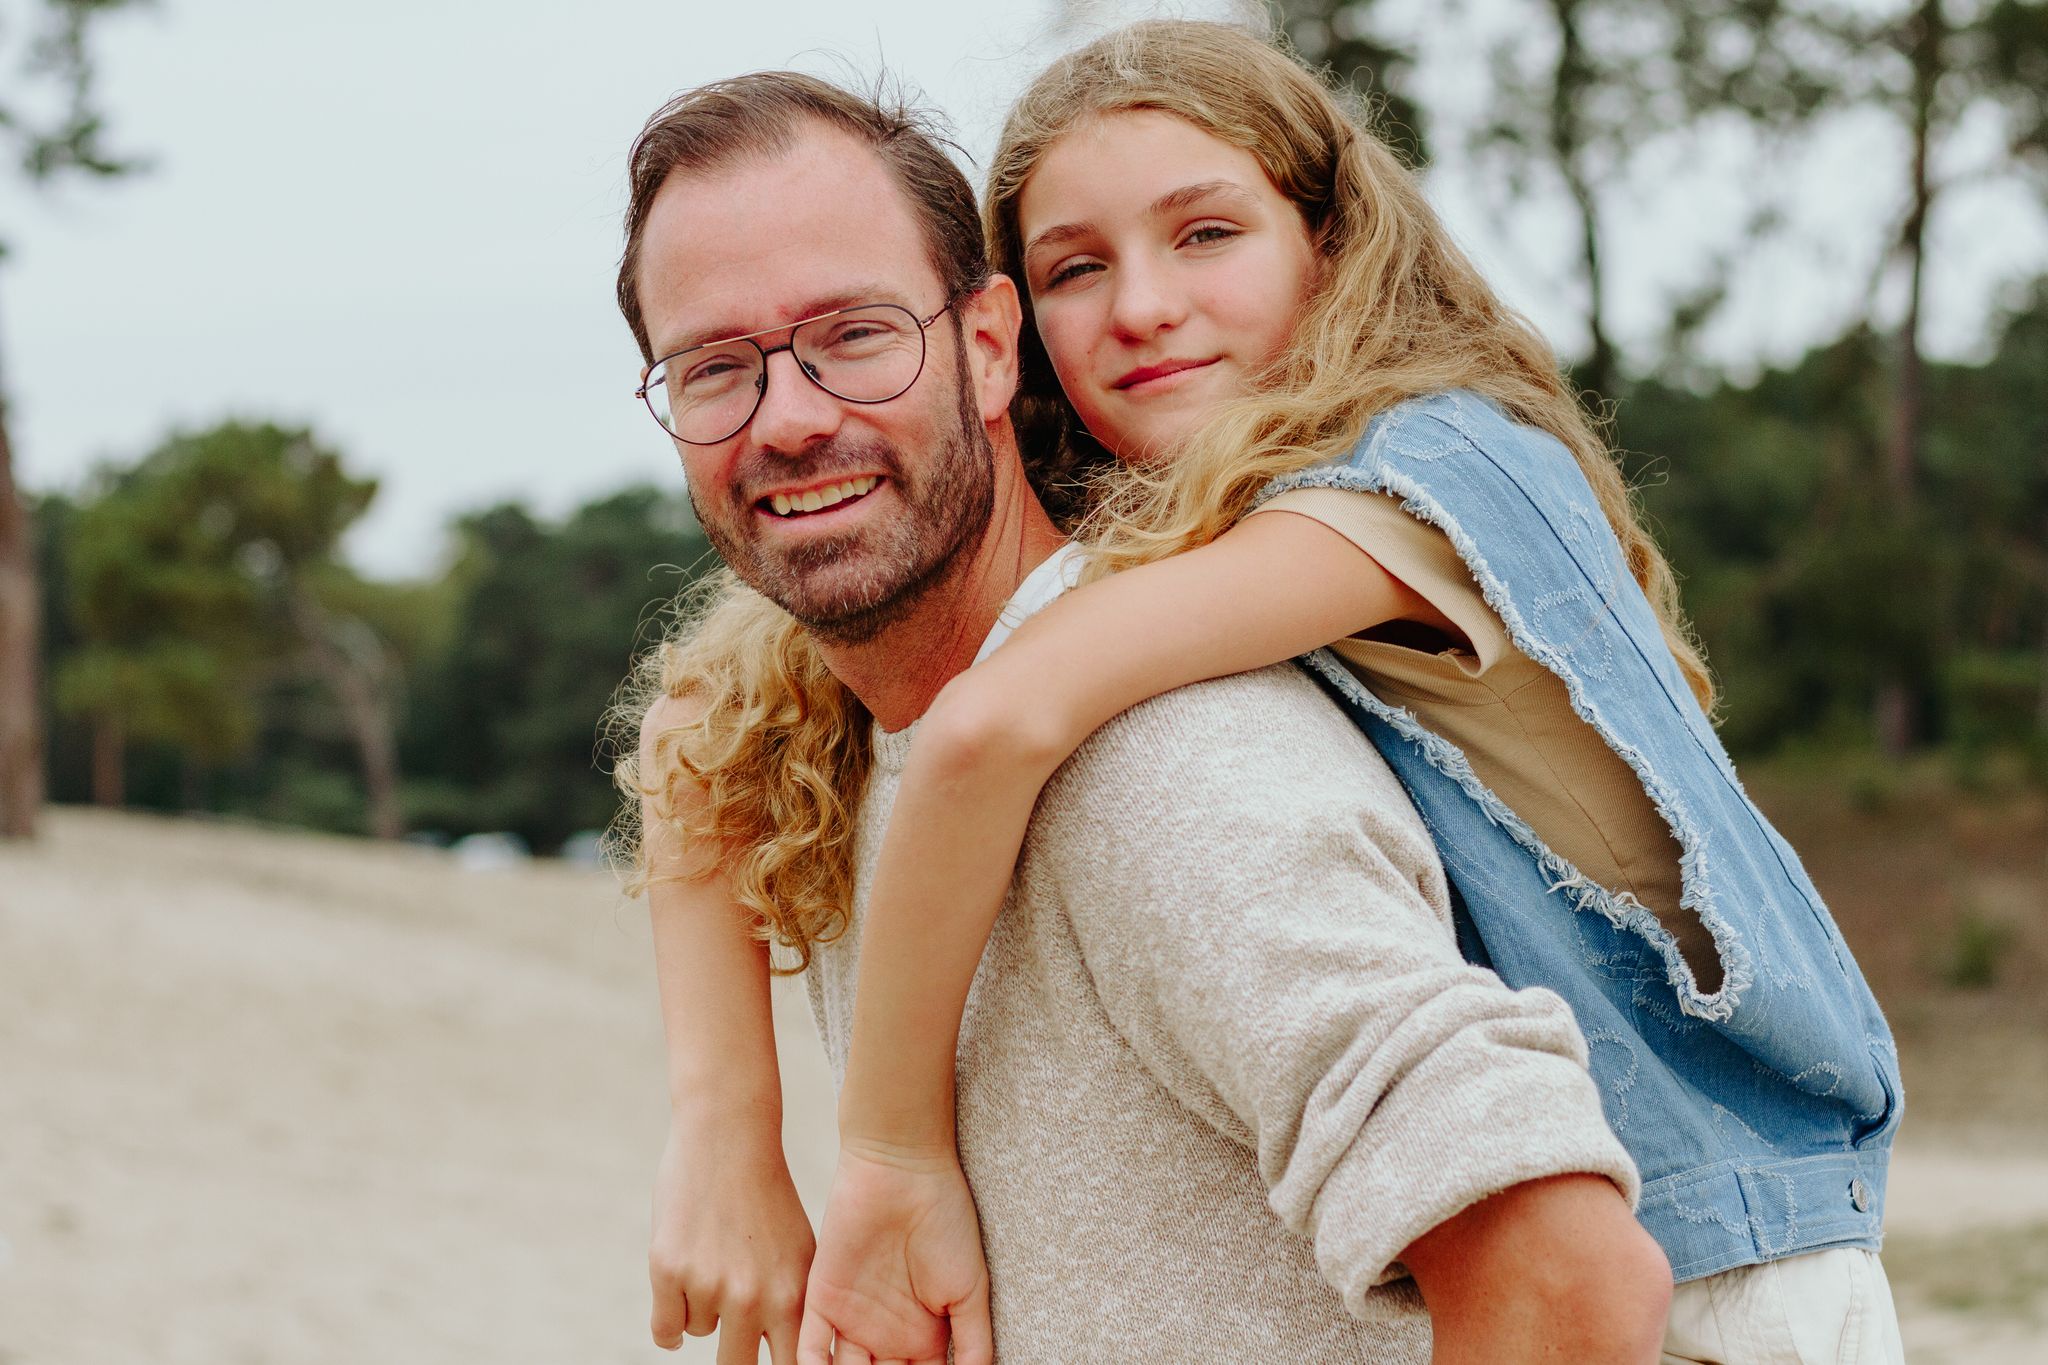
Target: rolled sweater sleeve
1266	924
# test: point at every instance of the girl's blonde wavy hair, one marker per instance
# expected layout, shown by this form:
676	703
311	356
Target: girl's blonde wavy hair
1397	312
763	773
778	745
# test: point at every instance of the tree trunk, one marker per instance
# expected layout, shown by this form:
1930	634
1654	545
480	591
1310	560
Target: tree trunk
109	762
356	674
1926	35
1896	710
1567	144
2041	697
21	731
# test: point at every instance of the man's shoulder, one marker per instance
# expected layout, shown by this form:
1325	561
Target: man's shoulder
1279	705
1227	791
1233	742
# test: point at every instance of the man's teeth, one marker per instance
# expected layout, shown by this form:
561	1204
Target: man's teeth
785	505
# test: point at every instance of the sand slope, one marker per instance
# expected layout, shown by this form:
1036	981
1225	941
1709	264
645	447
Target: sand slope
275	1098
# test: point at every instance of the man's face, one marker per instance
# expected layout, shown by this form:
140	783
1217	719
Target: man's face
907	484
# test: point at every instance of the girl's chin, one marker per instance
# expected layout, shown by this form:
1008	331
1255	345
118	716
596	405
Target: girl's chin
1146	443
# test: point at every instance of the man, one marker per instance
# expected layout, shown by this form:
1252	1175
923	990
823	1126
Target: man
1222	1067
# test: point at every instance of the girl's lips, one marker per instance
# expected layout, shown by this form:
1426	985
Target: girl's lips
1166	369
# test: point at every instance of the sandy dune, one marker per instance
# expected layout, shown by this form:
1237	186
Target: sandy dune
276	1099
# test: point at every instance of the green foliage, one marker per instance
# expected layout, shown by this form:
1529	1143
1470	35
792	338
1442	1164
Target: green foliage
546	620
179	576
1809	586
190	592
1976	951
1344	37
50	124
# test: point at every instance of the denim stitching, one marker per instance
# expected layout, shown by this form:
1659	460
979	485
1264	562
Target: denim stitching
1624	1081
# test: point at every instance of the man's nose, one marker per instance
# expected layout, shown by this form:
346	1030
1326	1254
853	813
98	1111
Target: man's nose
1146	301
794	413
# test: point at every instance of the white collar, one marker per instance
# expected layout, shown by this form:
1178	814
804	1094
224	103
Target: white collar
1059	573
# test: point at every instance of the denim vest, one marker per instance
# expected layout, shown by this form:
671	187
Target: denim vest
1761	1115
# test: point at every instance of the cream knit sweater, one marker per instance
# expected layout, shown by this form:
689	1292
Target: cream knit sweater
1222	1061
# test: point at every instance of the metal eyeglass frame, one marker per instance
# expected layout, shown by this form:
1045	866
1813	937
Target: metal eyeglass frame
761	384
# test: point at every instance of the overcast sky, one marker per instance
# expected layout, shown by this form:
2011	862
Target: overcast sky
398	221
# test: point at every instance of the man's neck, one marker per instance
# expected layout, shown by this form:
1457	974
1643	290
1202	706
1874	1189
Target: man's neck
897	673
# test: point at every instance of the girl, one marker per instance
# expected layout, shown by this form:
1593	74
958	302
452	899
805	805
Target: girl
1332	434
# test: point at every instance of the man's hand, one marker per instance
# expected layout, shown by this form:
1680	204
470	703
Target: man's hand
731	1244
899	1266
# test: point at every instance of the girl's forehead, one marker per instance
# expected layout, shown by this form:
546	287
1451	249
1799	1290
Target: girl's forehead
1125	156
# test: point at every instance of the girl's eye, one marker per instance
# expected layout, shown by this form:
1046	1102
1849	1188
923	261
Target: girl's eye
1071	270
1207	234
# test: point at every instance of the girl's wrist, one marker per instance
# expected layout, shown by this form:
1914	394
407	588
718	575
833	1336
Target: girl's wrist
927	1153
715	1112
913	1134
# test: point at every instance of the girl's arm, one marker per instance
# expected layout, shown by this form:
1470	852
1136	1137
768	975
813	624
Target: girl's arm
730	1240
1272	587
899	1267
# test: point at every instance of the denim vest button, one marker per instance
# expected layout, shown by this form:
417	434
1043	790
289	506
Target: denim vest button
1859	1195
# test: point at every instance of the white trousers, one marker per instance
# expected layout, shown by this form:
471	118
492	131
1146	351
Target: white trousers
1824	1308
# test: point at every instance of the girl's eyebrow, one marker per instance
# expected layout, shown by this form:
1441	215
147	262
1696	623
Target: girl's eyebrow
1173	201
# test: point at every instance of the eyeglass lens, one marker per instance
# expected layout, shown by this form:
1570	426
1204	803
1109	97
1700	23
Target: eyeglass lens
863	355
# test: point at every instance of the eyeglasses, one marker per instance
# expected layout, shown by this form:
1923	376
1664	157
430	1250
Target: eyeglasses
868	354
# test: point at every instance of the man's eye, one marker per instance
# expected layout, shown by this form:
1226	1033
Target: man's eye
713	372
863	336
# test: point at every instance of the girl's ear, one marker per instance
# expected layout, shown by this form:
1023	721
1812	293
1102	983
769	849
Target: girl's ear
989	321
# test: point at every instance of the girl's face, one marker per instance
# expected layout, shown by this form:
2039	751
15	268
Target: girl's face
1164	268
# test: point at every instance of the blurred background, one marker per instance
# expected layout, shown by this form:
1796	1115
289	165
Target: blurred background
325	507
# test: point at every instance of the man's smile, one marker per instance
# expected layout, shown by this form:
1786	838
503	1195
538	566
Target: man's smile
795	504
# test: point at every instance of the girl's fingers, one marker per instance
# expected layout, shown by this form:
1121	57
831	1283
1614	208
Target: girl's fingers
849	1354
974	1340
814	1340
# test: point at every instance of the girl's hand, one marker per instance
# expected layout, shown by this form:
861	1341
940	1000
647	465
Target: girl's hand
900	1267
731	1244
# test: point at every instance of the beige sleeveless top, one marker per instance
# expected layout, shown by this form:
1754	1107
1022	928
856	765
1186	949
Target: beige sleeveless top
1510	715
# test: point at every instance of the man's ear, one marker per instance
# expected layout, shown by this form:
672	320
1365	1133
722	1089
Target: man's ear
990	321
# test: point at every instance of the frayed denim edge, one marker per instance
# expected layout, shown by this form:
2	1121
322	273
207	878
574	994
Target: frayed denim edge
1621	909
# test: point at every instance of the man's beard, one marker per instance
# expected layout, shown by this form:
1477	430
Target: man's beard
848	589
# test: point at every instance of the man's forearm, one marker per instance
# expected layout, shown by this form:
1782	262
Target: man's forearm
1549	1270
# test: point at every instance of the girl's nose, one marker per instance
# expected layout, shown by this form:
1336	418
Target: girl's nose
1146	302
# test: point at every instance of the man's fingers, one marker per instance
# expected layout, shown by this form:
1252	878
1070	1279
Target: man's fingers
974	1341
739	1342
671	1317
848	1353
702	1323
782	1344
814	1339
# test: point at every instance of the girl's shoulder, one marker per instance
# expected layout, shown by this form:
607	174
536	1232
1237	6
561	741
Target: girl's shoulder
1437	425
